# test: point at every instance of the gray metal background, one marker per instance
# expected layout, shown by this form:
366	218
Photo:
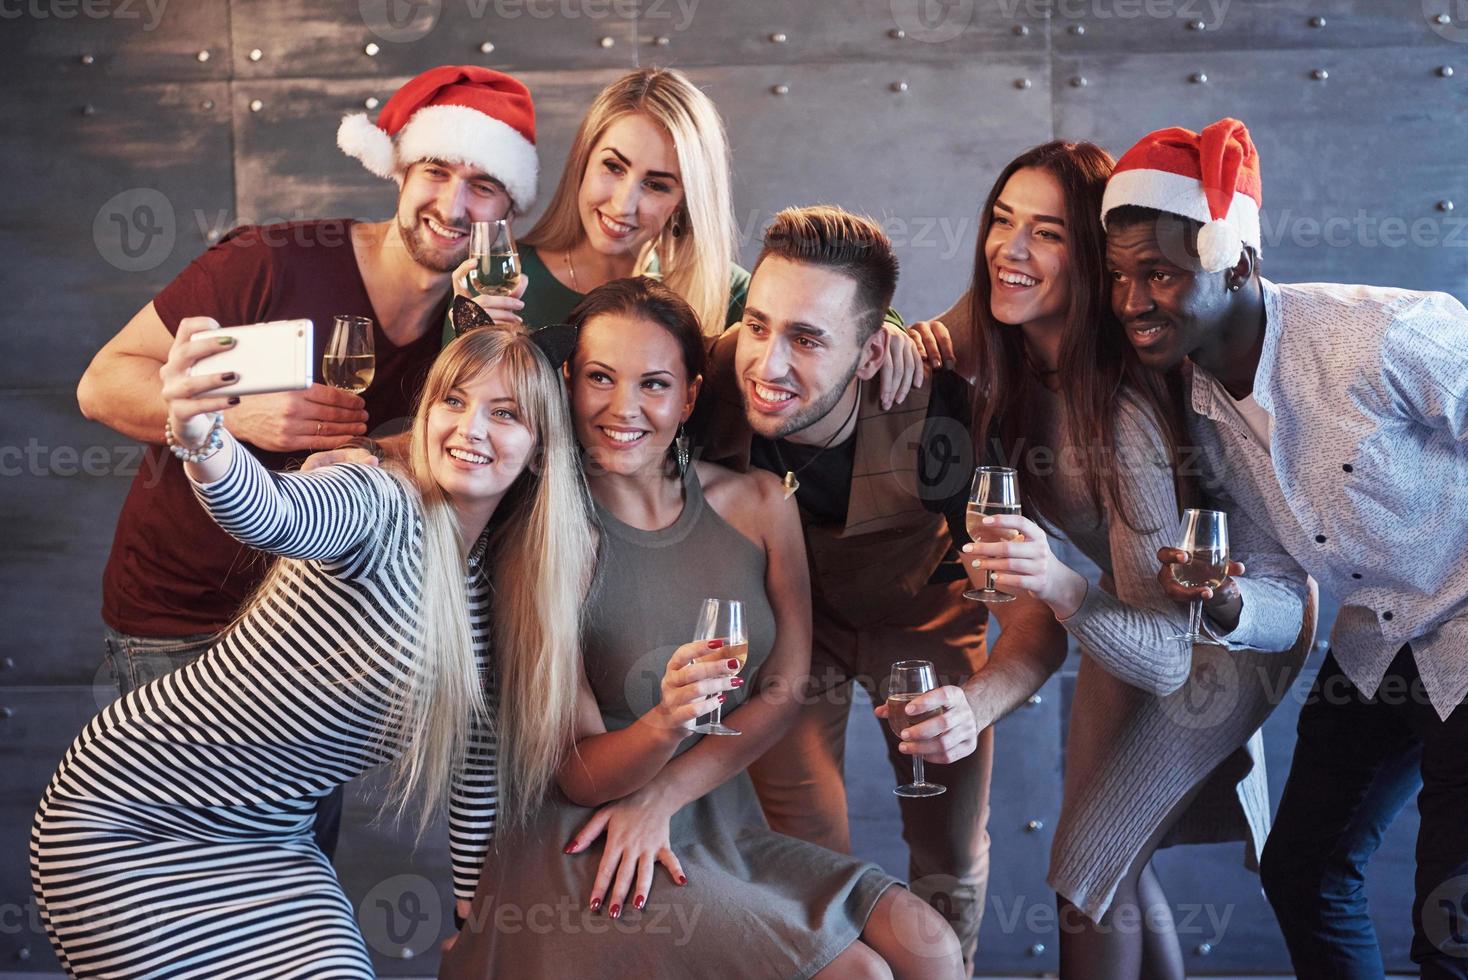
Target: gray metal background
127	149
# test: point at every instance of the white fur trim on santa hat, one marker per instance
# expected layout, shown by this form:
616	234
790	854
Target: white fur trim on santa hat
358	137
1162	190
459	134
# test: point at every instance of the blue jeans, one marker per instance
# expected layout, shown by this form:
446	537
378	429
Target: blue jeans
136	660
1357	762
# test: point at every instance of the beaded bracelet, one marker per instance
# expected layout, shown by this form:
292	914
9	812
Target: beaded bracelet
213	440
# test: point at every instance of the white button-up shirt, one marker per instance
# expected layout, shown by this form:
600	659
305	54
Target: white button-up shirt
1365	481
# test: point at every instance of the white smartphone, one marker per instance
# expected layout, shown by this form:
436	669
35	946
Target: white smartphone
273	356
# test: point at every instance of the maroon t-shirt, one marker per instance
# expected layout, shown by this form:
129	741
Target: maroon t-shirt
172	571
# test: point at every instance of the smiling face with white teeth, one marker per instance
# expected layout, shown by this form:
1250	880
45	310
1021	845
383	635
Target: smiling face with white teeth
436	206
1026	252
631	187
478	442
629	393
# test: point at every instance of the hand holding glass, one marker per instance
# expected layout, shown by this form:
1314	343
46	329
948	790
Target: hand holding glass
995	491
348	362
909	679
1203	534
722	619
496	261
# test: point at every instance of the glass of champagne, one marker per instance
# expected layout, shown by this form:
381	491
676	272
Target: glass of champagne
496	262
349	363
722	619
909	679
995	491
1203	534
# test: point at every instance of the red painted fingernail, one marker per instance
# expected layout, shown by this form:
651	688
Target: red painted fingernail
616	912
595	904
571	848
721	699
682	879
639	903
230	376
234	400
715	644
733	665
737	682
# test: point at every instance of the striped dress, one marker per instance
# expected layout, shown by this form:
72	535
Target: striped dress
175	838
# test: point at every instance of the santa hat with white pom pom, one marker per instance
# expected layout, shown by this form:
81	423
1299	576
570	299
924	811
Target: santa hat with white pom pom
1211	177
456	114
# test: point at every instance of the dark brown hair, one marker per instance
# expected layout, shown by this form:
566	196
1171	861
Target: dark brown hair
642	296
1097	363
843	242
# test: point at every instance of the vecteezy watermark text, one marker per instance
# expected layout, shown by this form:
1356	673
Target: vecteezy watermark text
152	10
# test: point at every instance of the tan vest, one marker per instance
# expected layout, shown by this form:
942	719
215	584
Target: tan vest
865	571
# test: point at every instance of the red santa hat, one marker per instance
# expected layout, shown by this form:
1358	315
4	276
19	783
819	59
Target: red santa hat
1211	177
457	114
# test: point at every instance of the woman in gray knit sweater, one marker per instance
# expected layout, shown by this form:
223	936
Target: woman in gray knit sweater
1164	744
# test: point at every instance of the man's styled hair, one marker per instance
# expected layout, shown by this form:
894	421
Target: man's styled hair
835	239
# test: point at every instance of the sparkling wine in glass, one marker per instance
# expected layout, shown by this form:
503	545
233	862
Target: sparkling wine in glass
995	492
1203	534
909	679
496	261
722	619
348	362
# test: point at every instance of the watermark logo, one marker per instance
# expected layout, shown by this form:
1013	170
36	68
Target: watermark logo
1445	916
400	21
135	230
1209	696
402	916
943	453
148	11
932	21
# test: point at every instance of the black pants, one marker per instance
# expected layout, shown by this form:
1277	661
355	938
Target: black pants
1357	762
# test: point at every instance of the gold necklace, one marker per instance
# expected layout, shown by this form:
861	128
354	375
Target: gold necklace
790	483
575	286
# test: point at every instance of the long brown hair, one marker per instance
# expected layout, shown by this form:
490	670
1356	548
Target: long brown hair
1097	366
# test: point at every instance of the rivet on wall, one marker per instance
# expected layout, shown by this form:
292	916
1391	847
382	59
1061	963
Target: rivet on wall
1021	83
7	712
7	664
662	41
89	110
1203	949
1197	25
1078	30
1078	81
256	105
212	235
1317	21
1198	78
1442	19
778	38
371	50
1320	74
1035	825
202	57
486	47
897	34
23	954
1445	205
1446	71
781	89
256	54
1020	30
87	59
899	86
1036	950
207	105
371	102
607	42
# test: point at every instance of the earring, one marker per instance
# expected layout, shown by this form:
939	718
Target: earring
680	450
1234	288
675	226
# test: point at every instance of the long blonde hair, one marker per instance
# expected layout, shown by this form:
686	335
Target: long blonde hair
695	261
542	553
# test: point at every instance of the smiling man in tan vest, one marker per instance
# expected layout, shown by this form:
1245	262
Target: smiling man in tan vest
881	497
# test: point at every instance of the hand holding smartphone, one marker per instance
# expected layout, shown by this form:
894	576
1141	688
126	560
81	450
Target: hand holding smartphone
265	357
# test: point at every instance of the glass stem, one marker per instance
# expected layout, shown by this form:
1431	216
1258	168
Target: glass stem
1195	619
718	715
917	769
988	587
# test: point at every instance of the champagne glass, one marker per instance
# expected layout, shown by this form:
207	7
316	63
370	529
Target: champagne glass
349	362
722	619
1203	534
496	262
909	679
995	491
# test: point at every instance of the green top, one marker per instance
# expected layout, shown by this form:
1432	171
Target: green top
549	301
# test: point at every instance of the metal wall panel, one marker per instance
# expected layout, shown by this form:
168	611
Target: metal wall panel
114	40
1323	220
918	160
776	32
99	218
387	38
288	166
1217	26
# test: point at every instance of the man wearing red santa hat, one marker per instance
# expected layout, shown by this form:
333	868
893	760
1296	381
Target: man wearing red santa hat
460	143
1338	417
